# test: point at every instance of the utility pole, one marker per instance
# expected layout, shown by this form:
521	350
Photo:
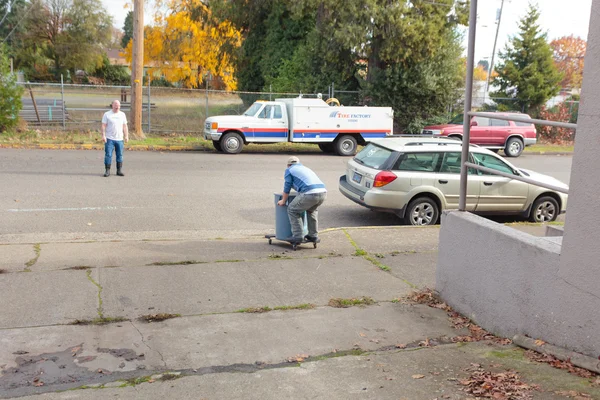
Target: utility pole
491	69
137	70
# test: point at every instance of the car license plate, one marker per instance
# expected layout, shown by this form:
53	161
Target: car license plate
357	177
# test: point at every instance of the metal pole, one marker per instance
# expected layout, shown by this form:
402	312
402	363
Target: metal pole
462	202
11	66
332	90
206	91
491	69
148	77
62	95
270	91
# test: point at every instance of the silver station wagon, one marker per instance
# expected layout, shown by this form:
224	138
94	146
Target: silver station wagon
415	178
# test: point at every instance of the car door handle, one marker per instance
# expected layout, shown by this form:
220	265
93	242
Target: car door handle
443	181
488	183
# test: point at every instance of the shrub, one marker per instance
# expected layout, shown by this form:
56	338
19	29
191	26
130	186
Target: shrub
10	94
555	135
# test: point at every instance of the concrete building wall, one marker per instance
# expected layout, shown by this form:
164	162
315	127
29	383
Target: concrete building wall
580	260
510	282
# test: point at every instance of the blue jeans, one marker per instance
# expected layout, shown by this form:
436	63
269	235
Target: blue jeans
110	144
309	203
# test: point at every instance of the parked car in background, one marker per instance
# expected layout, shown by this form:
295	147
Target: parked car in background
494	134
418	177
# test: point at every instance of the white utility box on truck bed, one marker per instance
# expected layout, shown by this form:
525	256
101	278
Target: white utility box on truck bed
336	129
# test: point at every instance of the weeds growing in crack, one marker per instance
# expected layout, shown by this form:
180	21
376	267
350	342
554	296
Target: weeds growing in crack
37	248
99	321
345	303
185	262
158	317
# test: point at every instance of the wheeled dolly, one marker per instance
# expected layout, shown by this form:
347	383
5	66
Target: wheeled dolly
294	244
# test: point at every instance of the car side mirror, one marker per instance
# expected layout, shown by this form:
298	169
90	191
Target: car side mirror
474	123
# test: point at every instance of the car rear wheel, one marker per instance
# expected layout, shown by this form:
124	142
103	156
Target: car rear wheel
514	147
232	143
545	209
346	145
421	211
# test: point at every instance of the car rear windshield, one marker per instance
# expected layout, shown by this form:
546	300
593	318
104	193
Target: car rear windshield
373	156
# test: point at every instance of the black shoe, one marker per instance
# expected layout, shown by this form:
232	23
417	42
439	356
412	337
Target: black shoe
293	240
119	166
107	172
313	239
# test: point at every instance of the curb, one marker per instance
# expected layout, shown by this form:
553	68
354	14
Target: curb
69	146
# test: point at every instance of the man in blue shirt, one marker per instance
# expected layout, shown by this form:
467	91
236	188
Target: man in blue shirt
311	194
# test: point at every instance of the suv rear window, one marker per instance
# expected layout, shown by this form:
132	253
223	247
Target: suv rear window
373	156
424	162
523	123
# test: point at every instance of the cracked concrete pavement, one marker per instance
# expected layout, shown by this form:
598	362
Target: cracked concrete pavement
213	350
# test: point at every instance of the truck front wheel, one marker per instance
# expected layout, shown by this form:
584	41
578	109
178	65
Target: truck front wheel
232	143
346	145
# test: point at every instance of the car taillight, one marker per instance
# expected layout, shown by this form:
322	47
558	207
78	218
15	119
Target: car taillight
383	178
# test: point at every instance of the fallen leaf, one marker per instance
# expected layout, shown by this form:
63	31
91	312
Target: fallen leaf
151	381
539	342
362	334
89	224
400	346
418	376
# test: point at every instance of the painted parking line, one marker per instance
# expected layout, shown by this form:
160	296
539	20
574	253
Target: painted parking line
63	209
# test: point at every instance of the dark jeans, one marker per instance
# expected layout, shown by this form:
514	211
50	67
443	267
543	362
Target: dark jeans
110	144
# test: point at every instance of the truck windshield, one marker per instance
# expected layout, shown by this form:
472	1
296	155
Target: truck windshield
251	112
458	120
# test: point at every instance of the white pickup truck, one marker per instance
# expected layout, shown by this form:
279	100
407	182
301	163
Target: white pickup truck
336	129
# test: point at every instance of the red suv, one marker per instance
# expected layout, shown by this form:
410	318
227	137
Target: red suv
495	134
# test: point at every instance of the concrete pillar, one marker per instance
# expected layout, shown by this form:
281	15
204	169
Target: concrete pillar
580	255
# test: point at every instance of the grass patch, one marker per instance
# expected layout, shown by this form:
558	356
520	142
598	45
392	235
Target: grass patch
99	321
279	257
513	354
378	264
345	303
306	306
228	261
255	310
77	268
360	253
158	317
37	248
549	148
186	262
136	381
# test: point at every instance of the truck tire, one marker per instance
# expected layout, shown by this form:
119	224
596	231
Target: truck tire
232	143
326	147
514	147
217	146
345	145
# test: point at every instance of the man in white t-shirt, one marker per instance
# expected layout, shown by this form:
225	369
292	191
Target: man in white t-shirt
114	132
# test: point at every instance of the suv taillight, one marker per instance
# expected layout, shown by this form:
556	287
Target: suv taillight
383	178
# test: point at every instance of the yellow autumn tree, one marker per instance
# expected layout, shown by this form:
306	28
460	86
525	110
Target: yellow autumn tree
188	45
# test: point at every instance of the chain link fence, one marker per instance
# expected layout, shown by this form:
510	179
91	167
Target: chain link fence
164	110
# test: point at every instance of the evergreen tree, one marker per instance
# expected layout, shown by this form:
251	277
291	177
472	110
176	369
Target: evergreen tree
127	29
527	75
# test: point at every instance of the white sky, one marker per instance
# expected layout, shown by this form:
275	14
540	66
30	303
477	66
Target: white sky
558	18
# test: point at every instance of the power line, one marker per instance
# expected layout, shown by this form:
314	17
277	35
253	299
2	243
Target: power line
7	11
18	23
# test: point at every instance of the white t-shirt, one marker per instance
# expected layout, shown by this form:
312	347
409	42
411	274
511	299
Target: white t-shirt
114	124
